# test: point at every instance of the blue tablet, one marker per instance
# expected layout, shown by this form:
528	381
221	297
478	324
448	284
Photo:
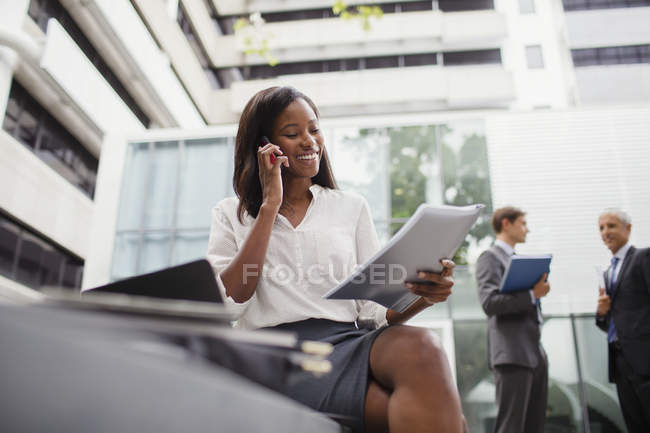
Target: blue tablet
524	271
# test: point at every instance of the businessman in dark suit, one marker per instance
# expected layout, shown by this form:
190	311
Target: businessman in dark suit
623	312
515	353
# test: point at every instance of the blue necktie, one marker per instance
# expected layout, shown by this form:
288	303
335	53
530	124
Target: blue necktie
611	331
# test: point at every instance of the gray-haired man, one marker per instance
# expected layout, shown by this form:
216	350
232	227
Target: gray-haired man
624	313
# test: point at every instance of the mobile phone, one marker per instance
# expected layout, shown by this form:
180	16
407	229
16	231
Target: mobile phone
266	141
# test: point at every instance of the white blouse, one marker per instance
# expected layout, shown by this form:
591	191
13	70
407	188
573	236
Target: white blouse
302	263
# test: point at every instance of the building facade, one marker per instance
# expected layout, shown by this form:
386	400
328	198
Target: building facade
119	119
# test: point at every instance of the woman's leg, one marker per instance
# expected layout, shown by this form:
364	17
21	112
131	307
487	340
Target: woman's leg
410	363
376	410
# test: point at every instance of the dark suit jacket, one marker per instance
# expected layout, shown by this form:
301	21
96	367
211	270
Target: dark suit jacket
513	328
630	309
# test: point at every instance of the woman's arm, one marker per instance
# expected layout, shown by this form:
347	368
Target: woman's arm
242	275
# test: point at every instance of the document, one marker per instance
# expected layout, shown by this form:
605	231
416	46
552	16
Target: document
524	271
431	234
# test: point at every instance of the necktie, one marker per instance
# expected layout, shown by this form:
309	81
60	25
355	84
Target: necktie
611	331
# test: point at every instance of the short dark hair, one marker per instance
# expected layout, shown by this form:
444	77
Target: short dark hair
256	121
508	212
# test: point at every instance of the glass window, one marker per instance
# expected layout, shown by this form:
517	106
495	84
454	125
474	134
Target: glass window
360	163
190	245
134	187
11	116
527	6
27	128
51	267
155	252
125	255
465	5
534	57
72	274
161	186
29	260
9	235
420	59
381	62
576	5
33	126
475	57
205	179
417	6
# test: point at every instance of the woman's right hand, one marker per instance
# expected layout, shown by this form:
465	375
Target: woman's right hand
270	175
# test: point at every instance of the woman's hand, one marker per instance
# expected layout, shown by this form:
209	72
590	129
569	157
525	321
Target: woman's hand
270	175
439	288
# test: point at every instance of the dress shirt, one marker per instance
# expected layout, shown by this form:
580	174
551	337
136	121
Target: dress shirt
621	258
302	263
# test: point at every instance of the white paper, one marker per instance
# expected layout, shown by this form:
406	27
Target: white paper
431	234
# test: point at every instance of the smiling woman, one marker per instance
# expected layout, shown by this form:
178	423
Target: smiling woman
289	237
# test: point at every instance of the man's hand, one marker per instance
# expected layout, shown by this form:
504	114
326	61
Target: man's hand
541	288
604	303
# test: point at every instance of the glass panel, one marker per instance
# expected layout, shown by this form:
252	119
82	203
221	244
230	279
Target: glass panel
72	274
414	172
8	241
132	196
189	246
51	267
465	5
360	162
564	410
162	179
27	128
29	262
125	253
155	252
467	181
475	57
206	178
475	381
465	302
534	57
602	400
11	115
527	6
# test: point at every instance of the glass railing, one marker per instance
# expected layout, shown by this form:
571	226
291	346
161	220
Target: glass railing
580	397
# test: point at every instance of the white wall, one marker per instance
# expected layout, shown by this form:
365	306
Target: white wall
564	168
609	27
614	84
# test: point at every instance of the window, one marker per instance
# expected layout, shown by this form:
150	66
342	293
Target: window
578	5
534	57
475	57
28	122
527	6
167	192
465	5
32	260
624	55
420	59
42	10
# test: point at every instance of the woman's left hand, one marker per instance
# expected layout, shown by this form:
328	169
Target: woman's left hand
439	288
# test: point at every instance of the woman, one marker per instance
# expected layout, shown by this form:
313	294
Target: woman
287	239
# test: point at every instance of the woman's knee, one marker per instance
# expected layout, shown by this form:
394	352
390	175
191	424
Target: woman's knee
421	347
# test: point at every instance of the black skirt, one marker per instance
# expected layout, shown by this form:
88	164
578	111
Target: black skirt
341	392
